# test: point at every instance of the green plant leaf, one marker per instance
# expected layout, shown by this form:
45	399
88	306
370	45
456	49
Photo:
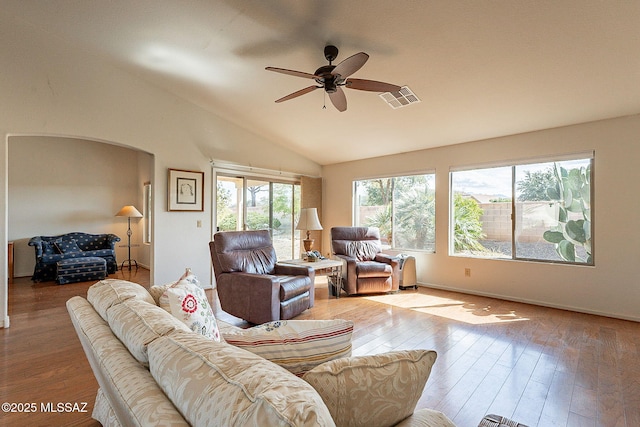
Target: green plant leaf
553	193
568	197
586	229
567	251
575	230
585	193
576	206
553	236
562	214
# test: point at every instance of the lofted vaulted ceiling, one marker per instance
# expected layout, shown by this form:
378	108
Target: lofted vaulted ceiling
480	68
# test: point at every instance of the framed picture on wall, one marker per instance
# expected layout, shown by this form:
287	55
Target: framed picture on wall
185	190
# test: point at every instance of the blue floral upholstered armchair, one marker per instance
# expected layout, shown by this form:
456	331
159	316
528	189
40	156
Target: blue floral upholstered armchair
51	249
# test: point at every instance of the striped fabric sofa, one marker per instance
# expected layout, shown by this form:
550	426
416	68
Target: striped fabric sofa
153	370
51	249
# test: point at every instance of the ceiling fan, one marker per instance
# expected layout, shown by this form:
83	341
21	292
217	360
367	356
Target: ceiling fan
331	78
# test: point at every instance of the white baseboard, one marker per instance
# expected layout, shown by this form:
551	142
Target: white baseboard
5	323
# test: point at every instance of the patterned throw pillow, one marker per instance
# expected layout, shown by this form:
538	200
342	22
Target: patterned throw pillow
67	246
189	304
381	389
159	292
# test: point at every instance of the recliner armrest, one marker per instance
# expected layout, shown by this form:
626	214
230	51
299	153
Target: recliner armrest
253	297
394	262
294	270
387	259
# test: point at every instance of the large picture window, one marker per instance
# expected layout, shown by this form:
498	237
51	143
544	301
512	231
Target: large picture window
538	211
402	207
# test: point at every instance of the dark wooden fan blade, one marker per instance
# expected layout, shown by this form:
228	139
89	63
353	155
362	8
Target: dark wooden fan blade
338	99
292	72
350	65
371	85
298	93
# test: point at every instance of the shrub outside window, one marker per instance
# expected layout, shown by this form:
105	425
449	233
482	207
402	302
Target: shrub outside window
530	211
402	207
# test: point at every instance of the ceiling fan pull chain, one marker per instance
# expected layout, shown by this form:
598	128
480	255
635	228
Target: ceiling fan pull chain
324	107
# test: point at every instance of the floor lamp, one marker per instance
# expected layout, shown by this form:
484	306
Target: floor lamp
129	212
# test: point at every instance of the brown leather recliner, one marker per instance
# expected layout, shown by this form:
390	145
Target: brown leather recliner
367	270
251	285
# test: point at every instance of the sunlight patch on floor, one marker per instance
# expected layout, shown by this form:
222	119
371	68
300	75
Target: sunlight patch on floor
449	308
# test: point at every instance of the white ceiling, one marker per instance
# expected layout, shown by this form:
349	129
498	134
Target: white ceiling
481	68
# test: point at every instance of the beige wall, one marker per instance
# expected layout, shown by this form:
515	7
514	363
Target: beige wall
610	288
60	185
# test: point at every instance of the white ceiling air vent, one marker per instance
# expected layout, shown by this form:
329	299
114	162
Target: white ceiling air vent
402	98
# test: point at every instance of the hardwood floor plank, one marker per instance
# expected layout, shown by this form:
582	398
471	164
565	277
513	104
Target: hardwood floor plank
482	397
555	411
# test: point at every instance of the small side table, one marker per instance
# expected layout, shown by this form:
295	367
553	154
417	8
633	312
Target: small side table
333	270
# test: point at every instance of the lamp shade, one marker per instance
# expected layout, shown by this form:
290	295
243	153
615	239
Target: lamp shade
308	220
129	211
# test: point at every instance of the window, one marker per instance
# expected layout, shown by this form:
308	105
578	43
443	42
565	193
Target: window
402	207
529	211
248	203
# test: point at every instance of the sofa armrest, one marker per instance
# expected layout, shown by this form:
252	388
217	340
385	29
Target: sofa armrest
380	390
36	242
112	239
252	297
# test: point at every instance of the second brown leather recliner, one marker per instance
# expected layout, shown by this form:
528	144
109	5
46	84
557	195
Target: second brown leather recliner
367	270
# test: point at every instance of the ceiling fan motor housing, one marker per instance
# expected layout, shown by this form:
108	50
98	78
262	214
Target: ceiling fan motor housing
328	80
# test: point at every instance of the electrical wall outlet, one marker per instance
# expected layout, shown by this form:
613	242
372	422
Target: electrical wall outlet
467	272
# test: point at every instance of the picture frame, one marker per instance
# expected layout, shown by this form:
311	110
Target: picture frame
185	191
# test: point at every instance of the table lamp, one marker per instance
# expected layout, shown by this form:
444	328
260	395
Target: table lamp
129	212
308	221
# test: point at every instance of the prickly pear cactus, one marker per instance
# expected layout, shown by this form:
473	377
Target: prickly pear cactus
573	191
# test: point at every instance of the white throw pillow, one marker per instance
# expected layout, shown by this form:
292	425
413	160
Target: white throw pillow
188	303
159	292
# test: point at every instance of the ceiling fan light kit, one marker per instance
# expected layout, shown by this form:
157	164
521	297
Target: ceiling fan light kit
332	78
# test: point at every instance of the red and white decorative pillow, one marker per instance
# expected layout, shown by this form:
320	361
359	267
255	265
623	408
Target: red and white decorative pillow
188	302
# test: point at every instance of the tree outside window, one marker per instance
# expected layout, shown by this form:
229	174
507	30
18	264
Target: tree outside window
403	208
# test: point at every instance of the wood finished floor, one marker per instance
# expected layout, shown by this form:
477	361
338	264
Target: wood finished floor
540	366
